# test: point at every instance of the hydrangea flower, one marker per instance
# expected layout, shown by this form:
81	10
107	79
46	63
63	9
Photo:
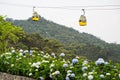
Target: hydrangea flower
41	78
74	60
100	61
21	51
31	51
25	51
65	65
21	54
36	64
45	61
72	75
102	76
52	65
53	54
8	53
56	73
85	63
85	74
67	78
30	74
90	77
119	75
90	73
62	54
106	63
42	52
46	56
84	68
13	51
108	74
69	71
50	75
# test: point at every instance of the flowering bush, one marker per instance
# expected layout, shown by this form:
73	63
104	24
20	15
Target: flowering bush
44	66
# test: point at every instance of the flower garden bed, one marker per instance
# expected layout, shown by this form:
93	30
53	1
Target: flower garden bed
44	66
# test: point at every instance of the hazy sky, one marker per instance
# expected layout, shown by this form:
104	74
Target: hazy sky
104	24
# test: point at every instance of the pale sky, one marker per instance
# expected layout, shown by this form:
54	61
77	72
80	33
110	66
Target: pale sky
104	24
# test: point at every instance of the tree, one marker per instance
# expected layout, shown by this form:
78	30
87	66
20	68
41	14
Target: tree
33	40
53	44
8	33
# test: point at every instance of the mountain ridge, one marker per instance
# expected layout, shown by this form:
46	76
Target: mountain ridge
79	43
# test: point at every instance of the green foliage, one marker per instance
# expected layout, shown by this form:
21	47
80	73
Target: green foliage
8	33
34	40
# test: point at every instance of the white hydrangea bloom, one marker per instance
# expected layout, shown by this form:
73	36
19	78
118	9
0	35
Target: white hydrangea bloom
31	51
67	78
57	72
90	77
36	64
51	70
13	51
74	60
21	51
72	75
119	75
25	51
106	63
102	76
42	52
52	65
69	71
20	54
65	65
84	64
85	74
41	78
50	75
108	74
100	61
90	73
30	74
84	68
45	61
8	53
68	74
53	54
46	56
62	54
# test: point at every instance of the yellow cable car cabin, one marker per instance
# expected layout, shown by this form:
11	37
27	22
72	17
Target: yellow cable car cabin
35	16
82	21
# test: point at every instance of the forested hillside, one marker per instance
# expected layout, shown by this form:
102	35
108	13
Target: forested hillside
77	43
